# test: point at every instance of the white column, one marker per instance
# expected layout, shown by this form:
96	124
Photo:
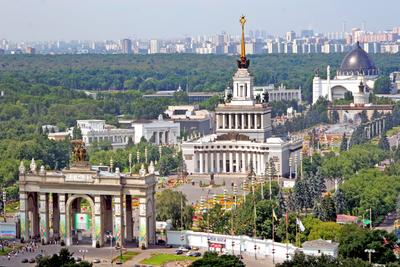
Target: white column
248	121
206	162
157	139
98	223
217	163
243	121
212	161
259	164
237	161
254	162
224	161
230	162
230	121
63	223
262	160
23	213
236	121
44	217
201	169
118	217
248	160
217	122
244	162
255	121
143	225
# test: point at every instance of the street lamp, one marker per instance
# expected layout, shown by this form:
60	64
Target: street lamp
110	236
369	251
83	251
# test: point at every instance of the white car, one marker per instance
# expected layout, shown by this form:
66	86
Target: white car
183	249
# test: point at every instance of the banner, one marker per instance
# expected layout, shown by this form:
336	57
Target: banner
82	221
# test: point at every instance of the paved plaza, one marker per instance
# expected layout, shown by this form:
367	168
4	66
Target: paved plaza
105	254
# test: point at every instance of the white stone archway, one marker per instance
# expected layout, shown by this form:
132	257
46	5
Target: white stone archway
69	217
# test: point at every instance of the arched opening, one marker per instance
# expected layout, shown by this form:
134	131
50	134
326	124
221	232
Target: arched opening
338	92
80	220
33	215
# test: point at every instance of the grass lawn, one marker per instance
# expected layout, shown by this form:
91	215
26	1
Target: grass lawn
393	131
5	251
126	256
160	259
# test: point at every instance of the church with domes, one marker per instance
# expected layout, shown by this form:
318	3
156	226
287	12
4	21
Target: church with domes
356	69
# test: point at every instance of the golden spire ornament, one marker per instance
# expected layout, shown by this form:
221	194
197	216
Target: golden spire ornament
243	63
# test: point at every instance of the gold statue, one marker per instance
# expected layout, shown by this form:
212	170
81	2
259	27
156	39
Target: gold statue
79	150
243	63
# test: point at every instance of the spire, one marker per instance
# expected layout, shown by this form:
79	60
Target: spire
243	63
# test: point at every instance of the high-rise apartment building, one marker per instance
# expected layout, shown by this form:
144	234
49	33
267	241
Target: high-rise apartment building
154	46
290	36
126	46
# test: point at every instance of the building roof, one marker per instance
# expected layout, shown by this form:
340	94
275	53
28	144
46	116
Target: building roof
357	62
320	244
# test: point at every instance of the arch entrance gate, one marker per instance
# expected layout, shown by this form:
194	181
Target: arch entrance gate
48	201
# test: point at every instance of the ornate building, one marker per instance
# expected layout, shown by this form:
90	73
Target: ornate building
242	141
49	201
356	68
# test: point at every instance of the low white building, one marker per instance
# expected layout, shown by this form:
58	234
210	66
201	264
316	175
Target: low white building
191	118
98	131
159	132
321	247
281	93
237	245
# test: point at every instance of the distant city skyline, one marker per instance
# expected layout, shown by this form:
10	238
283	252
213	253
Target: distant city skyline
43	20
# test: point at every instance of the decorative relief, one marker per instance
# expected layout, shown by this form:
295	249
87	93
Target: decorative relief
78	177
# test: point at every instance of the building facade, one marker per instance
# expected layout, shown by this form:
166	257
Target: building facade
97	131
242	142
279	94
356	68
49	200
191	119
159	132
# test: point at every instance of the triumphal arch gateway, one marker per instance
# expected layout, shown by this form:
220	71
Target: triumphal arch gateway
48	200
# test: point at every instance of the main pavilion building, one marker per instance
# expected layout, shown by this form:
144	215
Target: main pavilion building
242	141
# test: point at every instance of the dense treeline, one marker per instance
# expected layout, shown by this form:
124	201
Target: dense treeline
166	72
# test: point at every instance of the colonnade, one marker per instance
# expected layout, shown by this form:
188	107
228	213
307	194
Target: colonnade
49	216
230	161
161	137
241	121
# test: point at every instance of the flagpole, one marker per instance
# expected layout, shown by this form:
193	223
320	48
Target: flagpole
273	236
287	237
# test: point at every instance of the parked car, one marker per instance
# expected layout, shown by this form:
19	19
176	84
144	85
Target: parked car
184	249
195	248
187	247
96	260
178	252
32	260
195	254
24	261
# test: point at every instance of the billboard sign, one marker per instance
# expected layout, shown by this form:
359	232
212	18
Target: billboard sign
82	221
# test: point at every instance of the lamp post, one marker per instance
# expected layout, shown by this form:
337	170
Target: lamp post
290	167
270	180
369	251
130	163
83	251
110	236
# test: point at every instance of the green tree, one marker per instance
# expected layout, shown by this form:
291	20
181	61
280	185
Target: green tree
384	143
382	85
300	260
63	259
343	144
324	209
168	207
213	259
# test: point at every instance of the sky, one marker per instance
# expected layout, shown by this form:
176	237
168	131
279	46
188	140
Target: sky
37	20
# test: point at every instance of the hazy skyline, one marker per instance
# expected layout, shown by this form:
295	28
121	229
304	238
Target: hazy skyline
36	20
